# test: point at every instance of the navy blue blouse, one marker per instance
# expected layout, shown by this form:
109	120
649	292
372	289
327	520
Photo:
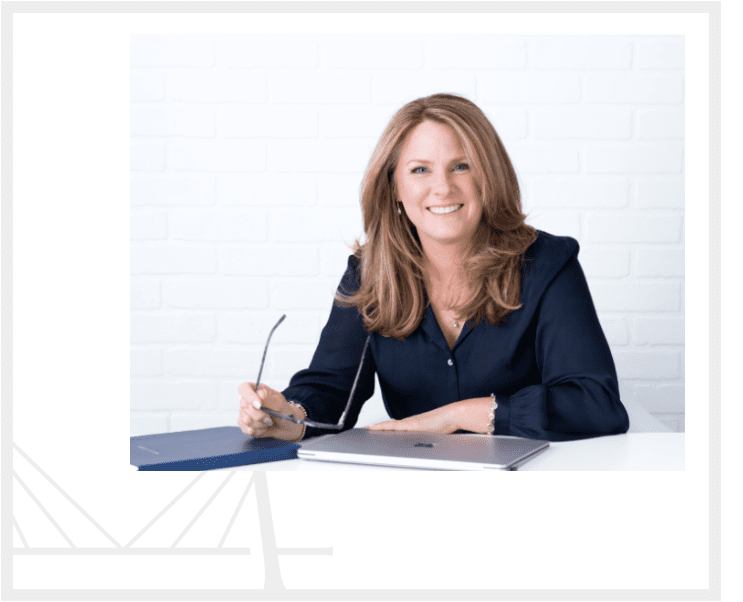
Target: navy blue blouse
548	363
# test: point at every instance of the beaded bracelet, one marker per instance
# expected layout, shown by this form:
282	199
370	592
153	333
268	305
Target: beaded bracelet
491	416
304	426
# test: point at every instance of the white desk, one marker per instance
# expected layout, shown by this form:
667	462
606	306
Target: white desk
632	451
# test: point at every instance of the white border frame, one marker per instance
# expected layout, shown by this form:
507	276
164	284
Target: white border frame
712	8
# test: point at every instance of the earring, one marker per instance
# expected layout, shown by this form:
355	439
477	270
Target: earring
399	211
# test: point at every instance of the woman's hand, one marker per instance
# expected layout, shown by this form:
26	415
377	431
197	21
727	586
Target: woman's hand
255	423
467	415
435	421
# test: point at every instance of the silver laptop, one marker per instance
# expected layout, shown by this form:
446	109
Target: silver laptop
430	451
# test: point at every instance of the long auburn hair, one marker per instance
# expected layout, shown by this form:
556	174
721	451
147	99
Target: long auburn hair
392	294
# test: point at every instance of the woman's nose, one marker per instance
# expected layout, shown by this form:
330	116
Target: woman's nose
442	182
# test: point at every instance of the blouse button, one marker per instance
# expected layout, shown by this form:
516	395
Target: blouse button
450	362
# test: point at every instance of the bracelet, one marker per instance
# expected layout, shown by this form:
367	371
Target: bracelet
491	416
304	426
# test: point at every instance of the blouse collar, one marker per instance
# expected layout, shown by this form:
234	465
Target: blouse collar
430	327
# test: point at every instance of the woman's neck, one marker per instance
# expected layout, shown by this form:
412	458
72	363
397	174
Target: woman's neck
444	270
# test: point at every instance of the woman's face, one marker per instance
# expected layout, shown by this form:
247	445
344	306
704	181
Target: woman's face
437	186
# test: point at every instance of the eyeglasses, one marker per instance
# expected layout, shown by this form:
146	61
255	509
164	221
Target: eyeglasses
305	421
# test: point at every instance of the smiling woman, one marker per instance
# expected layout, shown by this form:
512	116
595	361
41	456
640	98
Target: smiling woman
474	321
434	151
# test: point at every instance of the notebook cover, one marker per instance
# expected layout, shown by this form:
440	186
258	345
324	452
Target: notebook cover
206	449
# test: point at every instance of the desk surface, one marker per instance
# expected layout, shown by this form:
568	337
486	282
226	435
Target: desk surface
632	451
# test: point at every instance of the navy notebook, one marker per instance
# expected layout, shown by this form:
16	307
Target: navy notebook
206	449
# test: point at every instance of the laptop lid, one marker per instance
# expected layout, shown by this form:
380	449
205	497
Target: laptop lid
431	451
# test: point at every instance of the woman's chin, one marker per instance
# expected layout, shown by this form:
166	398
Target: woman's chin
446	236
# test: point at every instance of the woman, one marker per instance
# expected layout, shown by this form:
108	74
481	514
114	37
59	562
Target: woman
478	322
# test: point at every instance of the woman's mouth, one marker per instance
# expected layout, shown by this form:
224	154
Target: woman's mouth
444	210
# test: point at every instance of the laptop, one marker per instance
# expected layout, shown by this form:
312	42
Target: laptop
430	451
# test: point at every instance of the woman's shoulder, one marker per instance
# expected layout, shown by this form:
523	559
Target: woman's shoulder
351	280
549	246
547	255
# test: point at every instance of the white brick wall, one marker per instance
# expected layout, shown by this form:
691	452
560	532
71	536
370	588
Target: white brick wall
246	158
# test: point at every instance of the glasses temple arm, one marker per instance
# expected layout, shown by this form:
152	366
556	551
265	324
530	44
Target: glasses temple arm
342	421
265	350
305	421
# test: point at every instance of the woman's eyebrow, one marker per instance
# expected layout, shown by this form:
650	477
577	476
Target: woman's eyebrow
456	160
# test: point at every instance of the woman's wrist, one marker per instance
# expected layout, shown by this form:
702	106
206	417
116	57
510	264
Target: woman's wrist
492	407
299	413
473	415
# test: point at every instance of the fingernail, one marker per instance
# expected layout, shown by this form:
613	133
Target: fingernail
268	421
257	405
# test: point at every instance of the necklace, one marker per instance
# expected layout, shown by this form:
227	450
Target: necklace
455	324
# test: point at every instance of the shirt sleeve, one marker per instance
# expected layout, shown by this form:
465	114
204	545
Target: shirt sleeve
579	394
323	388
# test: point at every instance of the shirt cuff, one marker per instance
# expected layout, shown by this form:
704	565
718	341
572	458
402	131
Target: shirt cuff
309	400
523	414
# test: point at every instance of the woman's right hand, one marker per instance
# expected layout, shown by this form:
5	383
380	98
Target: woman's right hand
252	421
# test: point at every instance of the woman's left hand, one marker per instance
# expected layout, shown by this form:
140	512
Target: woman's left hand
468	415
435	421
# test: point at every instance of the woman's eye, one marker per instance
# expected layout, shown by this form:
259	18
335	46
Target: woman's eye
420	169
461	167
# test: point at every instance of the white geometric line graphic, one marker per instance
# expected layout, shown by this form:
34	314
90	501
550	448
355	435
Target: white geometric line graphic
236	512
203	508
170	504
135	551
258	482
41	507
67	496
272	578
164	551
18	532
283	550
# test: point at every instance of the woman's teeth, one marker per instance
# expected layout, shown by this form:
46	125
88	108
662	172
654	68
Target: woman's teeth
442	210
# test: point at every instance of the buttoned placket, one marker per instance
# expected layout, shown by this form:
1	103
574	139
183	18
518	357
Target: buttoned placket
452	378
456	391
433	330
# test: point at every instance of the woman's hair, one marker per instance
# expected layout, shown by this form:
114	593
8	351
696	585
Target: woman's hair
392	294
